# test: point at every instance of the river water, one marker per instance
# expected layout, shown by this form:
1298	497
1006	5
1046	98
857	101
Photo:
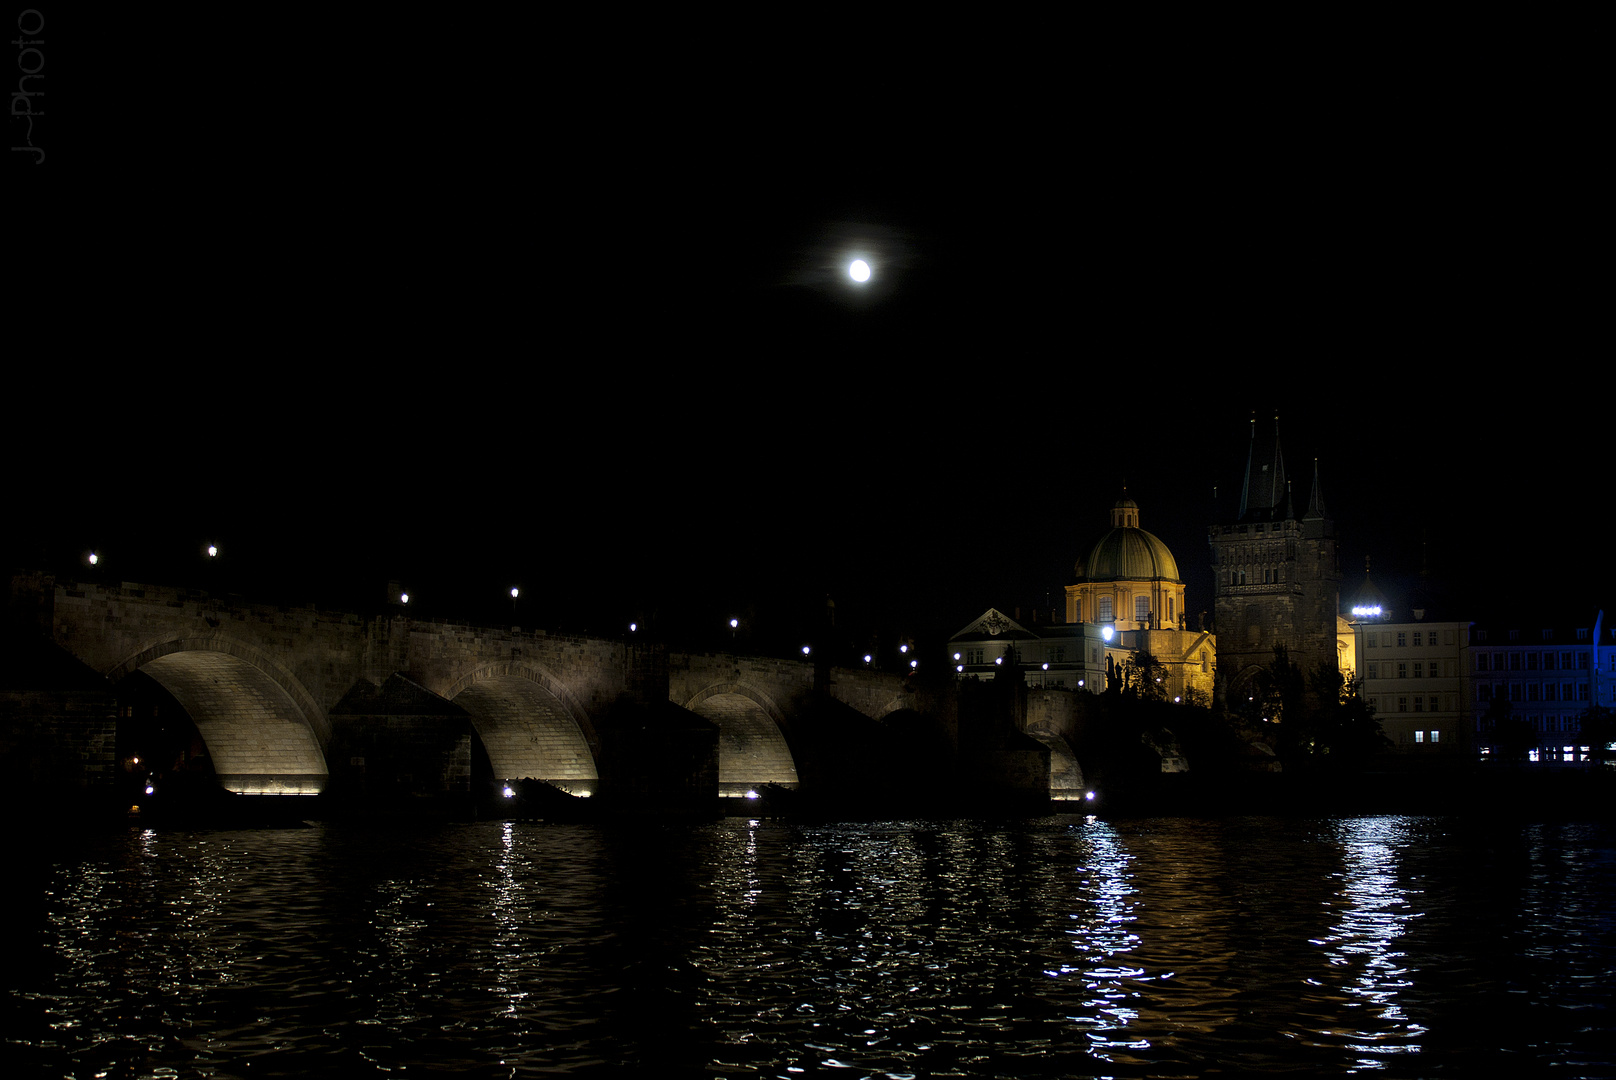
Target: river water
1060	946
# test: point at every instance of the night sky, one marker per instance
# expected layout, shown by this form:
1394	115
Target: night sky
595	338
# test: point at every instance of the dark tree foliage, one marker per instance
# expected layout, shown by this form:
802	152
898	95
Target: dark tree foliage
1596	729
1144	678
1511	737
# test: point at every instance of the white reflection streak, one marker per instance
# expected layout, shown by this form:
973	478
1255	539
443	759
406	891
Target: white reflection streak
1376	914
507	917
1104	932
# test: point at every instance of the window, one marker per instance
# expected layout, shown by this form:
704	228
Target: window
1531	661
1369	639
1402	639
1105	609
1416	639
1374	672
1481	661
1141	609
1402	671
1419	670
1565	661
1484	692
1402	704
1436	736
1514	661
1419	703
1531	691
1419	736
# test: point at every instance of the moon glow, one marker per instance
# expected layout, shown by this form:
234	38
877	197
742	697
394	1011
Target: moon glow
859	270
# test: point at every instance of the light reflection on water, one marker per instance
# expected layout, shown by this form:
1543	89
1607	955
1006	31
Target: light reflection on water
1064	946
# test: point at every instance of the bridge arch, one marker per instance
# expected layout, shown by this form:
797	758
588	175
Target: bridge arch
531	725
752	746
263	729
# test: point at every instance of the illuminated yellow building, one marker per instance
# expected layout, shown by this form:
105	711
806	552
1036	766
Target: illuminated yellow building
1129	585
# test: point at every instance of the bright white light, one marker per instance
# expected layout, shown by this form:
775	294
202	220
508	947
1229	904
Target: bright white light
998	660
213	550
1369	611
1089	796
514	591
733	623
150	789
509	792
867	658
633	627
859	270
903	648
403	597
1107	633
959	667
1046	667
752	795
805	650
94	558
914	663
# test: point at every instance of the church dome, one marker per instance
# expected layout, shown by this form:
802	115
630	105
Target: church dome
1127	552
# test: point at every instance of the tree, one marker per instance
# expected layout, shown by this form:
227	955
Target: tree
1597	730
1144	677
1512	738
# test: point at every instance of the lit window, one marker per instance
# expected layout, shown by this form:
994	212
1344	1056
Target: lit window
1141	609
1105	609
1419	736
1436	736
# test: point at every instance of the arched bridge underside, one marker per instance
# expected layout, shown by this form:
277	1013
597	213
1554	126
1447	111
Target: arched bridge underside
528	729
261	737
752	747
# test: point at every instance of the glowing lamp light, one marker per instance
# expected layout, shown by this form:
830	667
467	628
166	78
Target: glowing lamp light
960	668
903	648
508	791
868	658
733	623
633	627
1372	611
213	551
94	558
805	650
150	790
403	597
998	660
859	271
914	663
1108	633
1046	667
514	592
1089	796
752	795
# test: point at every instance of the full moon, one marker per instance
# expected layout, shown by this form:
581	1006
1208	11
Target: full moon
859	271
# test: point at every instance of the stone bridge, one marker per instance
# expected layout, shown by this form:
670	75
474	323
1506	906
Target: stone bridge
304	700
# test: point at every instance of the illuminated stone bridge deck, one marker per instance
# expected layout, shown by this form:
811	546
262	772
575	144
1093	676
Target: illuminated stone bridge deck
304	700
